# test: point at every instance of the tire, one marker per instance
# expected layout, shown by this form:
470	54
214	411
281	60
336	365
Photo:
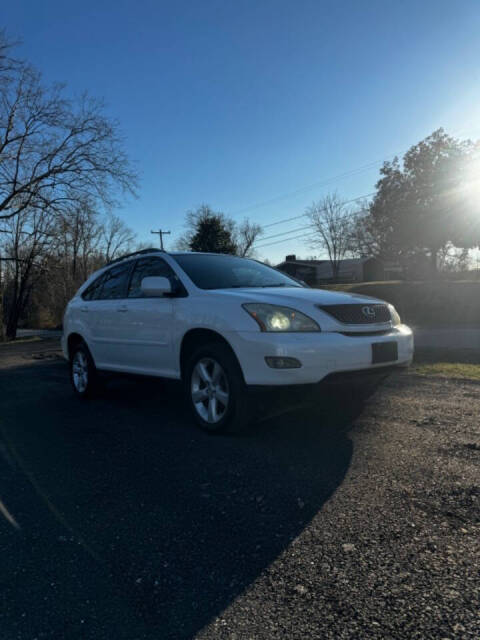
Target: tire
215	390
83	373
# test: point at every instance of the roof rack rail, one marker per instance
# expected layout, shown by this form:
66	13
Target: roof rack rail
135	253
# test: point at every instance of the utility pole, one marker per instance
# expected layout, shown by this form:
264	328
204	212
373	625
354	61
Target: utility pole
161	234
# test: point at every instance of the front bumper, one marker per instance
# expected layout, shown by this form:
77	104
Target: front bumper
321	354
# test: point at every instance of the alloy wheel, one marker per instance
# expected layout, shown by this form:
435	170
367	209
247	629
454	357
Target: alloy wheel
80	371
210	390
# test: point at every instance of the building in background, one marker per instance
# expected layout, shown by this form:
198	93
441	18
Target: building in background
320	271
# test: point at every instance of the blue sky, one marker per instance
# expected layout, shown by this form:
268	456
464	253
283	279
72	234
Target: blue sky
241	103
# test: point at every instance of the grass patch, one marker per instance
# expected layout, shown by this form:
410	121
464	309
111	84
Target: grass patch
453	370
21	340
458	364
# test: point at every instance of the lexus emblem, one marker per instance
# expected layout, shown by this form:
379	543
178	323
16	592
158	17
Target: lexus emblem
369	312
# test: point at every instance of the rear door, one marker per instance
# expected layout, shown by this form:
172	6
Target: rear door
109	328
86	313
149	322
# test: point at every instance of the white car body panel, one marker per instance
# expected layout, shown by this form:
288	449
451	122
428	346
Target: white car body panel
144	335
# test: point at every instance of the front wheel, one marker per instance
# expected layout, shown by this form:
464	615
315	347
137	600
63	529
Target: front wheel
215	389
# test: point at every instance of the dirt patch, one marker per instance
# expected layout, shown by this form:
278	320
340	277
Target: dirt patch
27	351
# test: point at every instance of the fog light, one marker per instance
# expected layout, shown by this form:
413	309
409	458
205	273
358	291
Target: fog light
282	363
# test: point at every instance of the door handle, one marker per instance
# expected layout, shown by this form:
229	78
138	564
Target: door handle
123	308
84	309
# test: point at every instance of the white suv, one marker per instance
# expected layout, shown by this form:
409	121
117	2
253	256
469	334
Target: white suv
221	323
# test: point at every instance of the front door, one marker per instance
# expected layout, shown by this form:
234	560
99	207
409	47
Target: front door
149	322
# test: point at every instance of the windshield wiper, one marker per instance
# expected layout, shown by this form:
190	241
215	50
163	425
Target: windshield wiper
254	286
277	284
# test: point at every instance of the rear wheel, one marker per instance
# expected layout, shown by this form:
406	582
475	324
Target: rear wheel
83	373
215	389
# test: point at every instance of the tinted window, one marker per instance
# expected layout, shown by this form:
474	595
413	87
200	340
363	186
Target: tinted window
226	272
92	291
150	267
115	282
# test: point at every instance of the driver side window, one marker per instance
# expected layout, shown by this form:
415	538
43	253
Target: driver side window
150	267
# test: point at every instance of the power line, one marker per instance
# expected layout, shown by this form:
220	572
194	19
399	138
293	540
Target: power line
346	174
303	215
347	215
284	233
269	244
300	190
310	226
313	185
340	176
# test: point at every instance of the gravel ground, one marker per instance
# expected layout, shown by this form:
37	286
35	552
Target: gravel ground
121	520
396	552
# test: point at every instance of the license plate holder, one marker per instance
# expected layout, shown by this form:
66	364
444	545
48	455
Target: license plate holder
384	352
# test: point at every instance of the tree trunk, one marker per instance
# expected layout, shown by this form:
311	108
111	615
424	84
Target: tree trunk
433	262
12	323
2	328
335	270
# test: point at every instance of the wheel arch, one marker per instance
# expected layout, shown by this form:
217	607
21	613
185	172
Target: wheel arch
194	338
73	340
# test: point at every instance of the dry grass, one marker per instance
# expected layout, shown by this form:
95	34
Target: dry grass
452	370
459	364
20	340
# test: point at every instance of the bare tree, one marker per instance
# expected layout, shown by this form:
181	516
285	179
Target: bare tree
47	256
80	233
117	238
7	63
54	150
26	244
245	237
61	161
332	228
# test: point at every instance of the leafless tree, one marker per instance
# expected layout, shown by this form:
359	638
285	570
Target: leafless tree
8	63
117	238
54	150
61	161
246	235
331	229
79	235
47	256
26	244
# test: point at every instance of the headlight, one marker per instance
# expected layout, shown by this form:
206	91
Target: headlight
394	315
272	318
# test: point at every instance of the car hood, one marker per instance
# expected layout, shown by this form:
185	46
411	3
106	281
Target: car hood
289	296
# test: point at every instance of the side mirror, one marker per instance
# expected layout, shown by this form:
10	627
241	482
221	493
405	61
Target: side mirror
156	286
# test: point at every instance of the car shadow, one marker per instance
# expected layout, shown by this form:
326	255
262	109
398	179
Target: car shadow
177	523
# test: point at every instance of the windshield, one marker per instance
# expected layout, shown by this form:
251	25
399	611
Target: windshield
212	271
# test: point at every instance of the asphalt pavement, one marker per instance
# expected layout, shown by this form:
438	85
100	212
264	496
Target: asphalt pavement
119	519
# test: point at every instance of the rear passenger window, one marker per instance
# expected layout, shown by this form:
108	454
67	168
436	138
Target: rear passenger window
150	267
92	292
115	282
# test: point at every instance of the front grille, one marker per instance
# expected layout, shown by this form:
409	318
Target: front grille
358	313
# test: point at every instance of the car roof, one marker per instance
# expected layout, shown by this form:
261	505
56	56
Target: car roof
155	251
